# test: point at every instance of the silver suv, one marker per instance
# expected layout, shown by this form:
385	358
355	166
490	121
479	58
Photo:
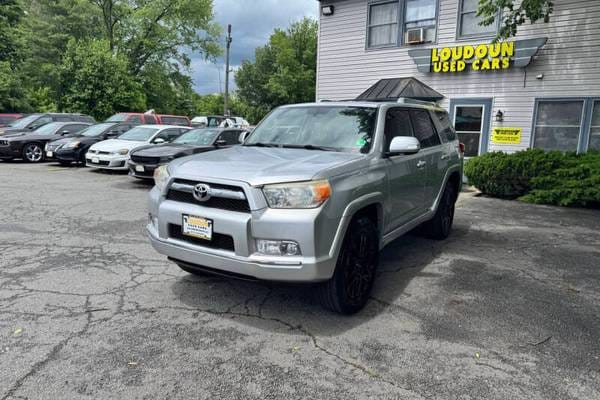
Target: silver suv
313	195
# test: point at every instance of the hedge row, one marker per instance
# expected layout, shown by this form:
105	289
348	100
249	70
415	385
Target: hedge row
540	177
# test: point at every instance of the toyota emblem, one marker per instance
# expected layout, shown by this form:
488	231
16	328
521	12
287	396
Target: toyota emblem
202	192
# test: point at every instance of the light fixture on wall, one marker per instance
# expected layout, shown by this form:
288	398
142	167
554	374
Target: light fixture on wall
499	116
327	10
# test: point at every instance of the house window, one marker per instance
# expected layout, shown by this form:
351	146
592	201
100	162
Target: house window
595	128
558	125
383	24
420	14
468	21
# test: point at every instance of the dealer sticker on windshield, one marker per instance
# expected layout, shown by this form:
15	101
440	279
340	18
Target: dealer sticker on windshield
197	227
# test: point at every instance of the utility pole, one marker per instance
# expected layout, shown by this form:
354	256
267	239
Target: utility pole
228	41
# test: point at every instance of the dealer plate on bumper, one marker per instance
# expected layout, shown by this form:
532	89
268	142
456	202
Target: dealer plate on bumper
197	227
139	168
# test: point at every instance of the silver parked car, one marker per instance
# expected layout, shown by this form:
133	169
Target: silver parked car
313	195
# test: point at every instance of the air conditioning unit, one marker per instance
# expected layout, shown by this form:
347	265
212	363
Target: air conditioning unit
415	36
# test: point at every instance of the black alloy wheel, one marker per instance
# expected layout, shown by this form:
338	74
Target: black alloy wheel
348	290
33	153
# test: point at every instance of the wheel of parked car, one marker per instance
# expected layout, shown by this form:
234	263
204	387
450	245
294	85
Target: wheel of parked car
348	290
33	152
440	225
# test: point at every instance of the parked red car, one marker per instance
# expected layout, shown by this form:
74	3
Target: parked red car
150	119
6	119
174	120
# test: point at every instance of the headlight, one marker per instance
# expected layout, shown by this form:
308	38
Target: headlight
297	195
72	145
161	176
123	152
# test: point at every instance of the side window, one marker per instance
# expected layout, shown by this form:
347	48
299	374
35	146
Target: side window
397	123
63	118
168	135
424	129
446	131
150	119
40	122
136	119
71	128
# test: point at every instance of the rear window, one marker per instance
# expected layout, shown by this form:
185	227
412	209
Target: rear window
118	118
446	132
174	121
150	119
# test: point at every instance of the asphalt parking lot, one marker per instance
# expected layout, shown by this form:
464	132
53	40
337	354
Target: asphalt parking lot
507	308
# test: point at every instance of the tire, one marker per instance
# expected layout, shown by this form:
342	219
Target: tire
440	226
191	270
33	153
348	290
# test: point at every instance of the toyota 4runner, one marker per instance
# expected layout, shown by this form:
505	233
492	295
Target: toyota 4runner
313	195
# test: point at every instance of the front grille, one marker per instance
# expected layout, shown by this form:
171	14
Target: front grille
103	152
219	240
4	143
145	160
214	202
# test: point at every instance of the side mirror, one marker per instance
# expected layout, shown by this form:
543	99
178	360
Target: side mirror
404	145
221	142
159	141
112	134
63	133
243	136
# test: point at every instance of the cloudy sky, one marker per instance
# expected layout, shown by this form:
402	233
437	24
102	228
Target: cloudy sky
253	22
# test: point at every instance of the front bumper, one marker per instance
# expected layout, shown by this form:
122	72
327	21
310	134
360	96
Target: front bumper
8	152
316	264
141	171
106	161
67	154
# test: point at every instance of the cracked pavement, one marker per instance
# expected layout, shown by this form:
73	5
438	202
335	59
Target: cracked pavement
507	308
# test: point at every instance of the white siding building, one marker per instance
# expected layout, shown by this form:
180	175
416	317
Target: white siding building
547	98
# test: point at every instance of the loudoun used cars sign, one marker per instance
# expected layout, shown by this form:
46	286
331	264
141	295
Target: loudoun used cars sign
477	57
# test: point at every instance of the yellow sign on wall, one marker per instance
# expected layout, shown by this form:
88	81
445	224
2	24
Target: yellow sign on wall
506	135
483	57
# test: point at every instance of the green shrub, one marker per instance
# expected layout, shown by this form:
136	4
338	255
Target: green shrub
575	184
509	176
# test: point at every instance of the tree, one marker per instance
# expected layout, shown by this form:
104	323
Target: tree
95	81
514	16
284	71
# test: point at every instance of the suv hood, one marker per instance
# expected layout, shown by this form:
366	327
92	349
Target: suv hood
116	145
7	130
259	166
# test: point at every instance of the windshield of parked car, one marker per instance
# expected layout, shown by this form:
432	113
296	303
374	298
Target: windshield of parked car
336	128
139	134
48	129
95	130
198	137
22	123
118	118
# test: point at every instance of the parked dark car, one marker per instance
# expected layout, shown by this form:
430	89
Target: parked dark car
6	119
135	118
35	121
30	145
145	160
73	148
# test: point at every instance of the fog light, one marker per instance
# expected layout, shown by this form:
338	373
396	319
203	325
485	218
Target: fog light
278	247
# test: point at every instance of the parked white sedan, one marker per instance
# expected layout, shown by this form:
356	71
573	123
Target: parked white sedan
114	153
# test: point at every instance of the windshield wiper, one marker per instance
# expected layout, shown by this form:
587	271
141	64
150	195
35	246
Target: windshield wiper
259	144
309	147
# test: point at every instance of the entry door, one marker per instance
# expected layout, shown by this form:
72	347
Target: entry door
471	118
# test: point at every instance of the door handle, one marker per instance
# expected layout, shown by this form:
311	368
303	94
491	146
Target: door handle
421	164
445	157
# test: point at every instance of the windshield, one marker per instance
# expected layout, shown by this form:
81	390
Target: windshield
95	130
198	137
48	129
118	118
22	123
139	134
337	128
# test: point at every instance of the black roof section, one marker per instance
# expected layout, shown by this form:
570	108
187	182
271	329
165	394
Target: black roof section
394	88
